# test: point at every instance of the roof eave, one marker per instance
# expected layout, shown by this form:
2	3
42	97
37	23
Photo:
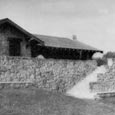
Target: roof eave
20	28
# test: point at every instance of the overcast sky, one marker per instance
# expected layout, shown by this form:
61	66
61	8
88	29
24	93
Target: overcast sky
93	21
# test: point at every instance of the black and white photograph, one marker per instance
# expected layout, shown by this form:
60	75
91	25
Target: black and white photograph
57	57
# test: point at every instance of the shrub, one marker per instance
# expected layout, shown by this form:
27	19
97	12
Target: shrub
109	55
101	61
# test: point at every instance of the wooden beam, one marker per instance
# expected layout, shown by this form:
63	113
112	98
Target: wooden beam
80	54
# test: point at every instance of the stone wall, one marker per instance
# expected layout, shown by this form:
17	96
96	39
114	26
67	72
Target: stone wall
58	75
105	82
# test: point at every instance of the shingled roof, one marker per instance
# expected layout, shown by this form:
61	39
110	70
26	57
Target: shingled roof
52	41
61	42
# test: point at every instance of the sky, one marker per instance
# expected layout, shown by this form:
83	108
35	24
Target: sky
92	21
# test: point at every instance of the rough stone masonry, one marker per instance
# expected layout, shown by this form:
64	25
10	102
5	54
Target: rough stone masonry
49	74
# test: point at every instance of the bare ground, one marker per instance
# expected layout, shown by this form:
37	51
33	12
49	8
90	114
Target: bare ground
39	102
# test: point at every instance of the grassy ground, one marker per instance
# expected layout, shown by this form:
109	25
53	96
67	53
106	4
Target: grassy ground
39	102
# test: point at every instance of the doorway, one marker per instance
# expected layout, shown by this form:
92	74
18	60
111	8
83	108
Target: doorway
15	47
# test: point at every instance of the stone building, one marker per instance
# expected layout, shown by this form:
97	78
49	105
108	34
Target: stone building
15	41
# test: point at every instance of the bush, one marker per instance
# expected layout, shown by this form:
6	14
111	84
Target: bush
109	55
101	61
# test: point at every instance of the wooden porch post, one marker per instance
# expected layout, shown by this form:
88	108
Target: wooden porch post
80	54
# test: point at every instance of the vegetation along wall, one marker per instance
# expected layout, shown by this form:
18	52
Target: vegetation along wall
57	75
105	82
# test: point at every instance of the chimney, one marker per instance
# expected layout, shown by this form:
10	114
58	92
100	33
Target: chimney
74	37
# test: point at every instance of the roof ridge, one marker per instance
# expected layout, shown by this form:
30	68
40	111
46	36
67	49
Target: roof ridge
52	36
5	20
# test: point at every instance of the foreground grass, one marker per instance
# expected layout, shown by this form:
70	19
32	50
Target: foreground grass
39	102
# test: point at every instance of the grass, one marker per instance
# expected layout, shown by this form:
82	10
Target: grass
39	102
